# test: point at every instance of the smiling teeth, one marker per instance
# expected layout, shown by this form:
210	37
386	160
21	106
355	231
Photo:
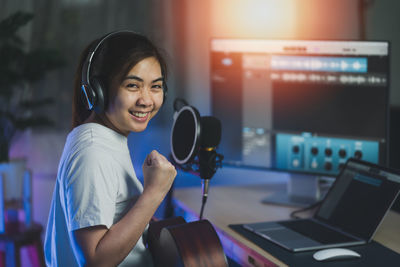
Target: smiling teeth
139	114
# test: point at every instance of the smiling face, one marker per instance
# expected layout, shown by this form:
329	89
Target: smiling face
138	98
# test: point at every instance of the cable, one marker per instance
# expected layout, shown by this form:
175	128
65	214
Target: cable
312	206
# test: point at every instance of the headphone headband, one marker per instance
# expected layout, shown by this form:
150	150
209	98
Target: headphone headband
89	59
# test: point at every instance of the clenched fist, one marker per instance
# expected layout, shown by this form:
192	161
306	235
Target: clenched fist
158	174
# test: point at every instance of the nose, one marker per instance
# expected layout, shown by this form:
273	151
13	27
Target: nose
145	99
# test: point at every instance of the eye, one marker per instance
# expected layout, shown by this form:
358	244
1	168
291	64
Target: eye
132	85
157	87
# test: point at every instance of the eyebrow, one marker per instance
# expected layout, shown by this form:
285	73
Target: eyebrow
134	77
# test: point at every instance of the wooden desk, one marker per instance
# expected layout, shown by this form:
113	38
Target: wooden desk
242	204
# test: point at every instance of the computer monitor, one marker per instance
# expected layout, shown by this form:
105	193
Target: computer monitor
301	106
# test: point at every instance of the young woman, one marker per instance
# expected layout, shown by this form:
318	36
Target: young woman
100	210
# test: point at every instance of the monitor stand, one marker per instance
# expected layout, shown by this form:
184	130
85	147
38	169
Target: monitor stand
301	190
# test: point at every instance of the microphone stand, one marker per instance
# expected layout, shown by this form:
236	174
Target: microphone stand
204	187
208	159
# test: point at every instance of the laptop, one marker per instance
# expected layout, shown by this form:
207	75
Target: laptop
349	215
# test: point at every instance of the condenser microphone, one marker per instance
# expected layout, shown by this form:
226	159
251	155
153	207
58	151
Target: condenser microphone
209	140
194	140
211	132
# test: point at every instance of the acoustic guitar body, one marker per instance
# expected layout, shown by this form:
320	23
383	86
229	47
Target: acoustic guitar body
174	242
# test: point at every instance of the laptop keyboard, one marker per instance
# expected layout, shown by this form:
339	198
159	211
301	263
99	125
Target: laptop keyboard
316	231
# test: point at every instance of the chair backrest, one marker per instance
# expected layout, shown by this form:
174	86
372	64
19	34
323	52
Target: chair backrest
15	191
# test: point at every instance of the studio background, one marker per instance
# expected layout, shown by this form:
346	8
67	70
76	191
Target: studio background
183	29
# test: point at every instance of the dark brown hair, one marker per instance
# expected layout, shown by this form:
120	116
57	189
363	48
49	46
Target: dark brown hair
114	59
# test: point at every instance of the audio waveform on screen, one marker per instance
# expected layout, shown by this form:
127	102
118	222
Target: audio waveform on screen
331	64
361	79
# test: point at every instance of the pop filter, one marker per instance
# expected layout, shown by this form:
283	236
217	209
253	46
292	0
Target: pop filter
185	135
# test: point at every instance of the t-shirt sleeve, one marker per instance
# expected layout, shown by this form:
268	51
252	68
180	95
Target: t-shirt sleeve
90	190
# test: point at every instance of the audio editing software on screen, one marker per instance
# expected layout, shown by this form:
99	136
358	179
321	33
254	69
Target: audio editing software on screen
303	106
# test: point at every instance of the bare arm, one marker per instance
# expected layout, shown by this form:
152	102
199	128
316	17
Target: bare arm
100	246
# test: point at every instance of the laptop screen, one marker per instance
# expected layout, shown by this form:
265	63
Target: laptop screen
359	198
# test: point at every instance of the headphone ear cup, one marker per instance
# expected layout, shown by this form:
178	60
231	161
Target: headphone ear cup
88	97
99	90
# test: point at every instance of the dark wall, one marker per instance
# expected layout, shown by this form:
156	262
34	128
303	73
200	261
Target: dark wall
394	145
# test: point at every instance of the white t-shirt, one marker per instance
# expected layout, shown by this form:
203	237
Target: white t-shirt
96	185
